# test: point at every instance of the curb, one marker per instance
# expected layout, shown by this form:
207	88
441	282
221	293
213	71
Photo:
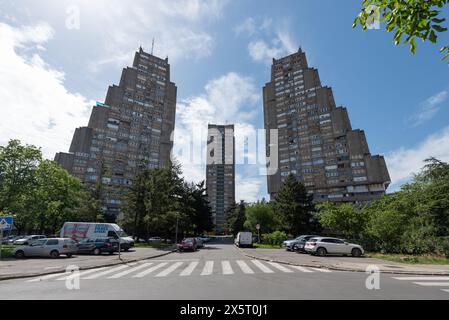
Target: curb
24	276
335	268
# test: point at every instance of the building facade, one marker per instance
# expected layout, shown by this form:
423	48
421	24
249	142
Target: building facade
315	141
220	172
133	126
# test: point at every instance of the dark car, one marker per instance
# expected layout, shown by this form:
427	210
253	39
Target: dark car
299	245
188	244
98	246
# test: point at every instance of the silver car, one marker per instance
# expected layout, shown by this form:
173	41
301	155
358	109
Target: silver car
47	248
26	240
325	245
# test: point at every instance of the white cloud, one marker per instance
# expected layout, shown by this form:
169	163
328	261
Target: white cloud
403	163
429	108
35	105
231	98
178	27
267	41
247	189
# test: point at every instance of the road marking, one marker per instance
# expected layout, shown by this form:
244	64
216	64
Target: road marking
226	266
262	267
208	268
124	273
422	278
245	268
169	270
432	284
302	269
188	271
321	270
45	277
280	267
148	271
82	273
100	274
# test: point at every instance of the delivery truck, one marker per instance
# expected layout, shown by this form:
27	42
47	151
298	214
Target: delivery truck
244	239
85	230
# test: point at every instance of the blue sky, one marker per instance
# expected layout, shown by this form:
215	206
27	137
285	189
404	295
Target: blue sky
220	52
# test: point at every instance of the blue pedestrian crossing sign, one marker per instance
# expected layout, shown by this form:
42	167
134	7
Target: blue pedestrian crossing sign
6	223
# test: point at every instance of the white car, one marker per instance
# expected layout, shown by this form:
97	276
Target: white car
322	246
53	248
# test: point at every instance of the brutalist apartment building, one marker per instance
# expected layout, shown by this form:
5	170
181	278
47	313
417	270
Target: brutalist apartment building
134	125
316	142
220	172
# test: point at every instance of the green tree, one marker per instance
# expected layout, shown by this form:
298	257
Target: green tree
345	218
409	19
294	207
236	217
261	213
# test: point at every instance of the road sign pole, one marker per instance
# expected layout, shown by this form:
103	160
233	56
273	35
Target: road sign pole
1	242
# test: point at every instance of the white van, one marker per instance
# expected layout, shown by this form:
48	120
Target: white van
244	239
86	230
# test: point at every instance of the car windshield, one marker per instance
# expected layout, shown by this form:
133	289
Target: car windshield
121	233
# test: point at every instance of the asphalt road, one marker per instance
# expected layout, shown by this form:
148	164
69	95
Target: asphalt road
220	272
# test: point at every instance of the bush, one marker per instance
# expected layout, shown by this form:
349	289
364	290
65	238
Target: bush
274	238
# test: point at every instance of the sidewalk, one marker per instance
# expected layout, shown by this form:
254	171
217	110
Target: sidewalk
343	263
32	267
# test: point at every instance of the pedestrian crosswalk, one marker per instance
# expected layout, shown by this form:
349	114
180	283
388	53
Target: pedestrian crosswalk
428	281
162	269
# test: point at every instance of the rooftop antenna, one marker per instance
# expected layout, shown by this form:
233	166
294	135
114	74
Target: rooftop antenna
152	47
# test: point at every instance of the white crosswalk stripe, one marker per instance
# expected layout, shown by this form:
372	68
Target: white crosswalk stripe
244	267
169	270
261	266
226	266
126	272
321	270
205	268
81	273
100	274
302	269
427	281
208	268
189	269
432	278
150	270
50	276
432	284
280	267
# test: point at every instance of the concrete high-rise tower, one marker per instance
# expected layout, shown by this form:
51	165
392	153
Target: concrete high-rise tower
134	125
220	172
316	142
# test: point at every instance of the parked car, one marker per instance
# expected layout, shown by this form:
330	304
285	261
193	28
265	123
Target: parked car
155	239
98	246
188	244
290	244
300	242
9	239
324	245
244	239
204	238
47	248
26	240
199	242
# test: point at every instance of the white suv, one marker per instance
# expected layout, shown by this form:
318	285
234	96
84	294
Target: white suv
323	245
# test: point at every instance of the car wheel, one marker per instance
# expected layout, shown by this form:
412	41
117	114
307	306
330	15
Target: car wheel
97	251
19	254
111	252
321	252
68	255
356	252
126	249
54	254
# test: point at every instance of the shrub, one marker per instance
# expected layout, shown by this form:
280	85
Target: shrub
274	238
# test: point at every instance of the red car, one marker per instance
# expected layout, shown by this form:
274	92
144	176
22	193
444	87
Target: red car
188	244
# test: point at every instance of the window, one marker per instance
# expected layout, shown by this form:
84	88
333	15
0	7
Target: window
52	242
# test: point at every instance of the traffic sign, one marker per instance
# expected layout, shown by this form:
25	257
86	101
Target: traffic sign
6	223
257	226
